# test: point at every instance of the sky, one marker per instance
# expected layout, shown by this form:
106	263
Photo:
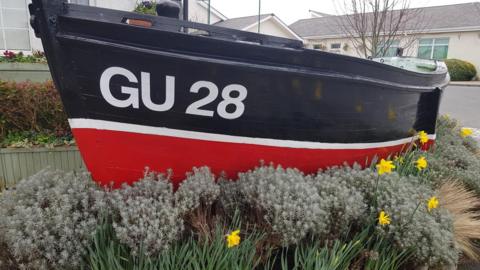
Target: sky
292	10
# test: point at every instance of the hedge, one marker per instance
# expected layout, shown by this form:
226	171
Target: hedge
31	111
460	70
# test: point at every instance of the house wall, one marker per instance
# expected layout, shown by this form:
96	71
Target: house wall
116	4
199	14
462	45
271	27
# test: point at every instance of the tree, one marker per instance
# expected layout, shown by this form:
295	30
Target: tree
374	26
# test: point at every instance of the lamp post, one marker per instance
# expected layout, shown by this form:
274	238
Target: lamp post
259	13
209	10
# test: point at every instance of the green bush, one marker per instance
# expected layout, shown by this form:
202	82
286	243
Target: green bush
31	113
460	70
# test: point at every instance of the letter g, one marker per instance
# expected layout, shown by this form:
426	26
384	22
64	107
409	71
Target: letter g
107	76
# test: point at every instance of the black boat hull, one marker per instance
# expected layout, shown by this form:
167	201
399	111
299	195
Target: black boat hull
155	97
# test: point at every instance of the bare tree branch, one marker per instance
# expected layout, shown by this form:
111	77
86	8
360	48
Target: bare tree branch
374	26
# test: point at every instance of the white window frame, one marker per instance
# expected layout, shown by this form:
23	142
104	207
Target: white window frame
71	1
433	44
339	46
2	28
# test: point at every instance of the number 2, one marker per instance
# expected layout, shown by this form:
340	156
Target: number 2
195	108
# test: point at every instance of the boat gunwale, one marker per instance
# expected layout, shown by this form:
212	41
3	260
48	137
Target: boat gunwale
303	71
79	12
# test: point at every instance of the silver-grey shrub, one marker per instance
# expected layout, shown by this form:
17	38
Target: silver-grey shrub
144	215
48	219
345	204
405	200
198	189
291	205
454	157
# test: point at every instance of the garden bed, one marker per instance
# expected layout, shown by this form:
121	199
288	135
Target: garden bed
415	211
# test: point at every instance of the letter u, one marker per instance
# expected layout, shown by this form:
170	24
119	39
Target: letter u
169	93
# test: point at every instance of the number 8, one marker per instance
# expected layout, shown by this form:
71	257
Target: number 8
237	101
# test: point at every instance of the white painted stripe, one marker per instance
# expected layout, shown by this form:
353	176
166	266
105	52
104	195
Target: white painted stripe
117	126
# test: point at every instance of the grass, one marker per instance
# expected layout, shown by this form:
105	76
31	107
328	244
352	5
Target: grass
106	252
463	205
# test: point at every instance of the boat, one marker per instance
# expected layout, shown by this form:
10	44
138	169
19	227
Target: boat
161	93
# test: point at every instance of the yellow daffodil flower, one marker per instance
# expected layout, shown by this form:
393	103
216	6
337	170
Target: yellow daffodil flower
465	132
432	203
233	239
385	166
423	137
421	163
383	219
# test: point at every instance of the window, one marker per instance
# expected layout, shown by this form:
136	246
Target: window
319	47
391	51
433	48
14	28
335	46
80	2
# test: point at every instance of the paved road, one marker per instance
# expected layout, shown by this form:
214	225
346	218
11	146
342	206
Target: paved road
463	103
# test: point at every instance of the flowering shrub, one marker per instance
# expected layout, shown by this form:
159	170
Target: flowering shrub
454	156
146	7
48	219
144	216
36	57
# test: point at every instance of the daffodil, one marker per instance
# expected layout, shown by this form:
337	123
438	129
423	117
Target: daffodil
233	239
432	203
421	163
383	218
465	132
385	166
423	137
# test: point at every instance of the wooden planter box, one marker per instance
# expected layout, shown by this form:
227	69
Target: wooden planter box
20	72
16	164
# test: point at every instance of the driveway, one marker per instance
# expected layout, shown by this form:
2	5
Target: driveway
463	103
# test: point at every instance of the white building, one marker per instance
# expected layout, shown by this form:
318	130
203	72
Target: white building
451	31
270	24
17	35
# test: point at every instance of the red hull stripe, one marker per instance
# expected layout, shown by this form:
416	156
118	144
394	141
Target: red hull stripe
122	156
149	130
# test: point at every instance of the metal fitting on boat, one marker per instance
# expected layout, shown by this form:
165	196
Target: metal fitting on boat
169	8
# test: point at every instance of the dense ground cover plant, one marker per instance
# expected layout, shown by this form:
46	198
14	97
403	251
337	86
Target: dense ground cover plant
455	156
144	216
48	220
270	218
